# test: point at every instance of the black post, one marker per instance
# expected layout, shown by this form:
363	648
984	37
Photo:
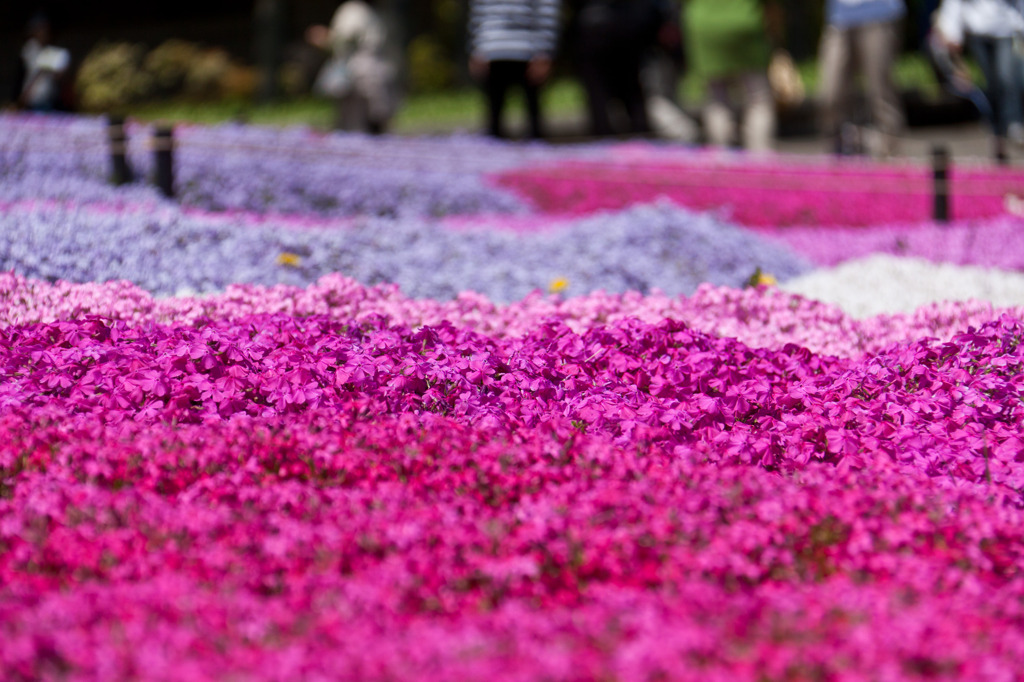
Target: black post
940	173
163	158
117	140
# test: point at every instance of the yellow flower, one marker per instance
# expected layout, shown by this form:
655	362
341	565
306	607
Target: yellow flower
291	260
761	278
558	285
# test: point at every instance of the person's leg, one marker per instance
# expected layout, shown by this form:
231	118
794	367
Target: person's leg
983	50
877	47
1016	133
361	113
659	76
834	62
1007	67
531	92
381	97
632	94
496	88
340	113
719	125
595	84
759	119
350	114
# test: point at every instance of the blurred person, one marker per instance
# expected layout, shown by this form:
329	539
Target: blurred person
360	75
660	73
730	42
512	43
993	31
955	76
924	13
865	34
44	69
613	38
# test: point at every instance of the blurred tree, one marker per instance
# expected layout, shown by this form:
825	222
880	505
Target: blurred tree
435	50
268	36
803	22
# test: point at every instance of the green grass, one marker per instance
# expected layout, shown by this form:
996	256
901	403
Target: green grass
305	111
436	112
463	109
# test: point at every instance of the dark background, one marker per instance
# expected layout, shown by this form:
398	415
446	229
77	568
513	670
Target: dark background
230	24
234	26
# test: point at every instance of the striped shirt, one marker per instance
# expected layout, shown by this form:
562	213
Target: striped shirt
514	30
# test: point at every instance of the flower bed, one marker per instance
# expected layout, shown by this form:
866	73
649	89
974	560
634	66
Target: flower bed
343	547
990	242
166	250
762	193
319	477
762	317
277	495
253	169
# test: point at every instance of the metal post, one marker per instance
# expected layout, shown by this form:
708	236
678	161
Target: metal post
117	140
163	158
940	174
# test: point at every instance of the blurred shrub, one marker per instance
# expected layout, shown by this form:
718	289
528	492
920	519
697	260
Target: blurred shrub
206	74
115	75
301	64
430	69
169	65
293	79
111	76
239	81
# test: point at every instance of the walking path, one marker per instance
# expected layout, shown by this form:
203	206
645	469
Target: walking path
967	141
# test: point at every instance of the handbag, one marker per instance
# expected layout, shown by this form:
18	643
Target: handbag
787	85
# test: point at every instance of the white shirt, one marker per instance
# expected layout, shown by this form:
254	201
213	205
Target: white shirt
43	66
990	18
355	27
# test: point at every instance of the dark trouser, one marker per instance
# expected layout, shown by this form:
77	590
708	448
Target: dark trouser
353	112
1003	74
608	77
502	75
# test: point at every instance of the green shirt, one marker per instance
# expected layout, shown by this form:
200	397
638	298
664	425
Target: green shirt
726	37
